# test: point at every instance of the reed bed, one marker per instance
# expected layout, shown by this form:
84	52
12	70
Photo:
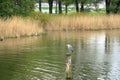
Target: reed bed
17	27
88	22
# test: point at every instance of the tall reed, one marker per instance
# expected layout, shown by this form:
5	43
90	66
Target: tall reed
17	26
88	22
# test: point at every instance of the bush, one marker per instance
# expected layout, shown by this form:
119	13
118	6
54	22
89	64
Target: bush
16	7
40	16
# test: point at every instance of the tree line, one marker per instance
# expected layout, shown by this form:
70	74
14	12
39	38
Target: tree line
24	7
112	6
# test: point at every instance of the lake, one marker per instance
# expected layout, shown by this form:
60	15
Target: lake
96	56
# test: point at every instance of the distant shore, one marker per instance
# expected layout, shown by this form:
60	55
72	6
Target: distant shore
21	27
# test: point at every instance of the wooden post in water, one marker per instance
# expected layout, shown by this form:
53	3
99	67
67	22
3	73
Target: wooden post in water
68	67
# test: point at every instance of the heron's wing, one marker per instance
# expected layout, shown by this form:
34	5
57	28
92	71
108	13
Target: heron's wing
71	48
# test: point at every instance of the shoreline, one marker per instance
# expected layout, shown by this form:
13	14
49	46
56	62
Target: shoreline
16	27
24	36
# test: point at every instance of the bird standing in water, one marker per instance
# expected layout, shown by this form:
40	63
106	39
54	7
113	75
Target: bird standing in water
70	48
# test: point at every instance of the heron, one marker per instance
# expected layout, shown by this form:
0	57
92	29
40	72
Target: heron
70	48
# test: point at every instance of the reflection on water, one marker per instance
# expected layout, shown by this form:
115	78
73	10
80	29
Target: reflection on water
96	56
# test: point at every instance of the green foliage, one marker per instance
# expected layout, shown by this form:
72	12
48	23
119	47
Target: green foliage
40	16
114	6
67	2
15	7
6	8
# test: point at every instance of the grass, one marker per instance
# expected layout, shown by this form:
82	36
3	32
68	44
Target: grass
84	22
18	26
37	22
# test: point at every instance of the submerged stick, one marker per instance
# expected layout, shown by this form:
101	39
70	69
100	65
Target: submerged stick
68	66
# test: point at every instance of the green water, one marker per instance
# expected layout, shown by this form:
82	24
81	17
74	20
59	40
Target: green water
96	56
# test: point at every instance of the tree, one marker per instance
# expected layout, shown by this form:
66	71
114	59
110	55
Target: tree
24	7
6	8
117	7
50	2
40	9
66	3
16	7
95	2
60	6
107	6
77	5
82	6
66	8
83	3
112	6
56	10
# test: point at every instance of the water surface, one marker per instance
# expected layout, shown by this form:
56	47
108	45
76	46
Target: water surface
96	56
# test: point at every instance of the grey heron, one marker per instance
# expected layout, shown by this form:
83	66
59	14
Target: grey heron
70	48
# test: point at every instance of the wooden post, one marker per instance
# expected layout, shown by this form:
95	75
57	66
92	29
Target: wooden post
68	67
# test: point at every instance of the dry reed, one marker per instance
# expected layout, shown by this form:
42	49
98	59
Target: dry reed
17	26
88	22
